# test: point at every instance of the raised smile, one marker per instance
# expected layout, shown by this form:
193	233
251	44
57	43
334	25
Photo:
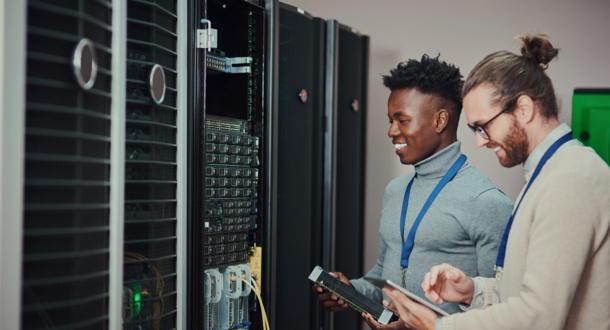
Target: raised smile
399	146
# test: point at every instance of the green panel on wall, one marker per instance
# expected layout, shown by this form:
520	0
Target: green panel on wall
591	119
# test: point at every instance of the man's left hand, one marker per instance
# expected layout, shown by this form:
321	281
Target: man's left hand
412	314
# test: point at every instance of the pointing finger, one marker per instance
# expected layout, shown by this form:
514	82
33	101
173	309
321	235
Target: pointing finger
425	284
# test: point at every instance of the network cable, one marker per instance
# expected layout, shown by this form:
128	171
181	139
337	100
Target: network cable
258	295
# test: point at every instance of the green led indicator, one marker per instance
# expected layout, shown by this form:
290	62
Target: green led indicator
137	298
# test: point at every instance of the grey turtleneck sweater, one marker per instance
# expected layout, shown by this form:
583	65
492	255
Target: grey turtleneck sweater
463	227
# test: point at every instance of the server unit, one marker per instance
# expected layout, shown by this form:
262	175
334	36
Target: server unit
320	183
66	210
228	157
300	165
102	133
150	238
352	80
94	196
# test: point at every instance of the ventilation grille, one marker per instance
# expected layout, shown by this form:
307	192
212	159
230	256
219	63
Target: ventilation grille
210	317
149	300
67	169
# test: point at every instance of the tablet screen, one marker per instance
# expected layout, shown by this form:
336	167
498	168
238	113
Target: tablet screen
381	283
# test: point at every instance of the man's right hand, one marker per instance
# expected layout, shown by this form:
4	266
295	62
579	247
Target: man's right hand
447	283
374	325
331	302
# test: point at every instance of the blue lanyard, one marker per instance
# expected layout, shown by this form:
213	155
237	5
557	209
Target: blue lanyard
547	155
407	247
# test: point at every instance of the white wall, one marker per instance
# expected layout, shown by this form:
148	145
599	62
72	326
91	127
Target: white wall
464	32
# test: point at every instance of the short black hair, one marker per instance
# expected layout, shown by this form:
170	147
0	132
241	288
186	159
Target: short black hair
429	76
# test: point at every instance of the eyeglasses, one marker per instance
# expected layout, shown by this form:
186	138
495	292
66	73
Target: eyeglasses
481	128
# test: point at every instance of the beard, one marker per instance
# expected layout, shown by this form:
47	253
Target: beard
515	145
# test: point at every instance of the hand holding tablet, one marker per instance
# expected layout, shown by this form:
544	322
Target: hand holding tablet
383	283
413	315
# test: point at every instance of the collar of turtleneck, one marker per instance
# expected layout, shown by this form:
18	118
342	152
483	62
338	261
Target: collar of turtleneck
435	166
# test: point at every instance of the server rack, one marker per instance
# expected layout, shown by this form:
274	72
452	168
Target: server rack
68	77
129	141
228	162
155	163
12	127
66	210
321	183
350	174
271	154
300	164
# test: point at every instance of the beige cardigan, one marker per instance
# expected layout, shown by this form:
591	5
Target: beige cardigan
557	267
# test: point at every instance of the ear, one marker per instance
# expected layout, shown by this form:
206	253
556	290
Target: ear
525	110
442	120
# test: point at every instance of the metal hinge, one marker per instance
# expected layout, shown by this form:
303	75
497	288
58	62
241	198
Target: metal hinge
207	38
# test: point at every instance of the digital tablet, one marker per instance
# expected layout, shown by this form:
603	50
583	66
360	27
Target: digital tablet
381	283
353	298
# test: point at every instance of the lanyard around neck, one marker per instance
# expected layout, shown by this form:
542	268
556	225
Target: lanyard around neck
545	157
407	247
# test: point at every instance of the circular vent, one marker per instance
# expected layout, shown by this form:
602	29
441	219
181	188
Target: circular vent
85	63
157	83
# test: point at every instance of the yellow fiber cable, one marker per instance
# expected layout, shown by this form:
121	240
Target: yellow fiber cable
262	306
263	312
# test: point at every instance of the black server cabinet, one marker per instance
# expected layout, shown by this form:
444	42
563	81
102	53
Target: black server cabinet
150	238
321	158
300	166
67	165
227	161
350	170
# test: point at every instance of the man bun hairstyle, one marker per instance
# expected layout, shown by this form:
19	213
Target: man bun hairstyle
539	49
430	76
513	75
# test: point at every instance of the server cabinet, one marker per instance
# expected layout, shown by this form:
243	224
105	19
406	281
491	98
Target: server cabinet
12	129
350	152
66	210
228	160
300	165
99	234
320	184
153	199
90	184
